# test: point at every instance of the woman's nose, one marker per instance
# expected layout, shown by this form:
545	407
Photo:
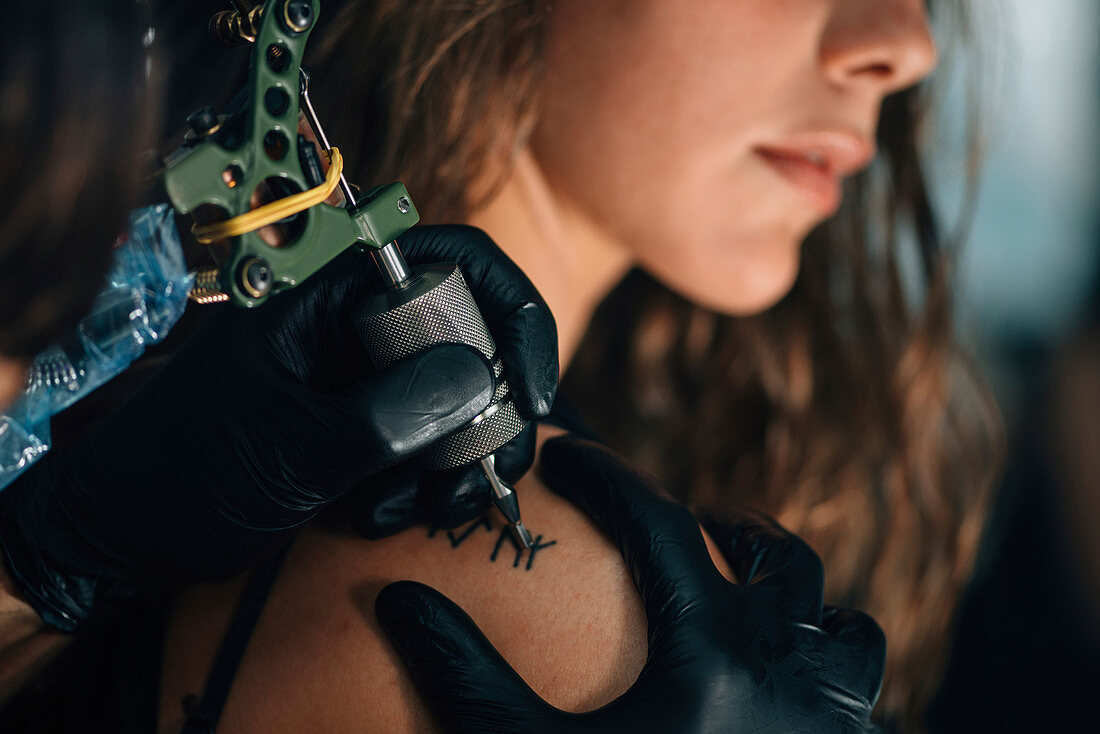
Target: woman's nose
885	44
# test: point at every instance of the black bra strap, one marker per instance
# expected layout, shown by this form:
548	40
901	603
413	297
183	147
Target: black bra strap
203	719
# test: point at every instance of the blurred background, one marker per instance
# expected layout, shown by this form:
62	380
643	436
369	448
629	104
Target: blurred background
1026	656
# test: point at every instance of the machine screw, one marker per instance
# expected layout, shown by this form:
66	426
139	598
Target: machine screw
203	121
403	205
256	277
298	15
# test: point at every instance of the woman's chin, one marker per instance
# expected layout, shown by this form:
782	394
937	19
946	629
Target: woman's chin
753	284
747	297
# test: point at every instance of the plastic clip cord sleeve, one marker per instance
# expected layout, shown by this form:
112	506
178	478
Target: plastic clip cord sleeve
276	210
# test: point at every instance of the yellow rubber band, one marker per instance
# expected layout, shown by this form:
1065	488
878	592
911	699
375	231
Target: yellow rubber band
276	210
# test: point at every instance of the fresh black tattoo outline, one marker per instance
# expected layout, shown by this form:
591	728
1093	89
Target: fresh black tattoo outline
457	540
537	545
505	535
460	535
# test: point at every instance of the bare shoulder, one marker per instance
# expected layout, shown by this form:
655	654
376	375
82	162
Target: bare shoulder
565	614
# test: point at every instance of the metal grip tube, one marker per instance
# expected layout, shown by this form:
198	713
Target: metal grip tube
435	307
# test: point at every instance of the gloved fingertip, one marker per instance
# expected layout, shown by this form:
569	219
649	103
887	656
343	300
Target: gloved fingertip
401	604
854	626
539	406
385	503
570	465
373	527
528	341
514	458
560	450
865	645
452	497
428	629
460	515
834	620
541	396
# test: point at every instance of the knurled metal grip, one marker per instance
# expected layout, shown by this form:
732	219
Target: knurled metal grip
435	307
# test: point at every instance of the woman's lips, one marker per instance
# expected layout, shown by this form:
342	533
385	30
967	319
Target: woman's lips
815	163
810	178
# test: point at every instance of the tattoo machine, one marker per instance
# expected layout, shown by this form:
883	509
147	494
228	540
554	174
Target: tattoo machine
253	147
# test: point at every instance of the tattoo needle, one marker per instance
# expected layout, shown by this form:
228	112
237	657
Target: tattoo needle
504	497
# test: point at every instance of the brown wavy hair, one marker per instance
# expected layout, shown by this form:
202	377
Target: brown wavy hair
67	166
848	411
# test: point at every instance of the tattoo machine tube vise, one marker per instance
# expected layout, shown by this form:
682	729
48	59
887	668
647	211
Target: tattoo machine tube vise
251	152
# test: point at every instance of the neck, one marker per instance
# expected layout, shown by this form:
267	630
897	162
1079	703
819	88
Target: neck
568	258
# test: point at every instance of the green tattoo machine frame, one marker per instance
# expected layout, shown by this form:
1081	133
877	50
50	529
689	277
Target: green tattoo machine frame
255	187
225	160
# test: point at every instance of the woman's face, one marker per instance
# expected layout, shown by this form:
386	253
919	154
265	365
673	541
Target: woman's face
710	136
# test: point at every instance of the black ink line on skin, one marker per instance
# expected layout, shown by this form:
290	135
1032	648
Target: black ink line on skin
505	534
457	540
537	546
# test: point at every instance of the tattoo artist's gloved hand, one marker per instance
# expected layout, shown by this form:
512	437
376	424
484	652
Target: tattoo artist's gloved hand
263	418
754	657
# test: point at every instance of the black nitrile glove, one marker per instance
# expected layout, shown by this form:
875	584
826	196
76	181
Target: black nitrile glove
406	495
749	658
263	418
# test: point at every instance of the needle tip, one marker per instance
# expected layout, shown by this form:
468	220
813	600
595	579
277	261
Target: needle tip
522	536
